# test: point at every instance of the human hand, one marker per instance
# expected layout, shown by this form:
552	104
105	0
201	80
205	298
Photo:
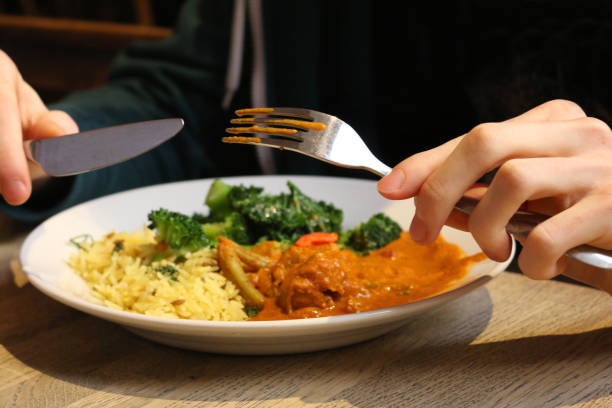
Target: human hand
552	159
23	116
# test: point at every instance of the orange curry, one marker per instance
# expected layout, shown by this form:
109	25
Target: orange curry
324	280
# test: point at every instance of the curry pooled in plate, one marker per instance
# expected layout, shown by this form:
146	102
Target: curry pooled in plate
326	280
257	256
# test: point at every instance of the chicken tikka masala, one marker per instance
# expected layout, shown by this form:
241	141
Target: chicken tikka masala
323	279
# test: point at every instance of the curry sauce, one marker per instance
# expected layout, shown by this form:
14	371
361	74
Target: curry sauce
325	280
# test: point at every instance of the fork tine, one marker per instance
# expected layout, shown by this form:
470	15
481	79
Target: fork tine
292	112
300	124
272	131
267	142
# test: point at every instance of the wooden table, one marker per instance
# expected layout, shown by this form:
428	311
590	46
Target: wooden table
513	343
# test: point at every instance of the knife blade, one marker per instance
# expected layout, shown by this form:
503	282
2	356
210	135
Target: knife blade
94	149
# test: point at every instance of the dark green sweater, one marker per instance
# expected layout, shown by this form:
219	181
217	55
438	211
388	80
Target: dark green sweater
436	71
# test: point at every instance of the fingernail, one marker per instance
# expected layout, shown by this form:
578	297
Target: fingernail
14	191
391	182
418	230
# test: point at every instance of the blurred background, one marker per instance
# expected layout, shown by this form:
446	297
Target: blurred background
65	45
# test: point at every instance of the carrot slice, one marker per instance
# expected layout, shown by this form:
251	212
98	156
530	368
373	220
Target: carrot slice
316	238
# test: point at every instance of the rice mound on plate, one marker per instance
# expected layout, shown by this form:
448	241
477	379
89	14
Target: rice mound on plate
119	272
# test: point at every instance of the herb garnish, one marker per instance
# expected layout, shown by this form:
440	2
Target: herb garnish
251	311
79	240
168	270
118	246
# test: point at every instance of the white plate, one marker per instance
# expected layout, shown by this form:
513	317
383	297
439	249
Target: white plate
46	250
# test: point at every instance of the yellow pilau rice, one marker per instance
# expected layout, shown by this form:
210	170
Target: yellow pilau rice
120	272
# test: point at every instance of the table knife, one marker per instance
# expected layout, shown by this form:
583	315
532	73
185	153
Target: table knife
94	149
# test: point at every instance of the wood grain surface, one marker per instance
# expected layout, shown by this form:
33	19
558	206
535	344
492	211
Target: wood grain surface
513	343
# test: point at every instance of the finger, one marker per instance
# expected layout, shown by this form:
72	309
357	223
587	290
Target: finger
580	224
15	184
36	121
400	184
554	110
406	178
520	180
487	147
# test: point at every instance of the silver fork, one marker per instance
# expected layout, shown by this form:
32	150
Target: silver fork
327	138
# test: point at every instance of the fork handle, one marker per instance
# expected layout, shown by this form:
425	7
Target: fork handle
381	169
522	223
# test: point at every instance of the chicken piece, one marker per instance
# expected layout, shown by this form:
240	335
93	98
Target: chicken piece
312	277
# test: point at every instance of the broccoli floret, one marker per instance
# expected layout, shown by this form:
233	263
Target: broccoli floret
244	212
242	196
375	233
179	231
217	200
284	217
233	227
201	218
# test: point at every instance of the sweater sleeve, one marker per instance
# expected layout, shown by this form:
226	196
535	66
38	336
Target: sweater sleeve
181	76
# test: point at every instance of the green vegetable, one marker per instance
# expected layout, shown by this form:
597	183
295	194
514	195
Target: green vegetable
217	200
118	246
375	233
247	215
251	311
283	217
180	259
79	240
233	227
167	270
158	256
201	218
179	231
